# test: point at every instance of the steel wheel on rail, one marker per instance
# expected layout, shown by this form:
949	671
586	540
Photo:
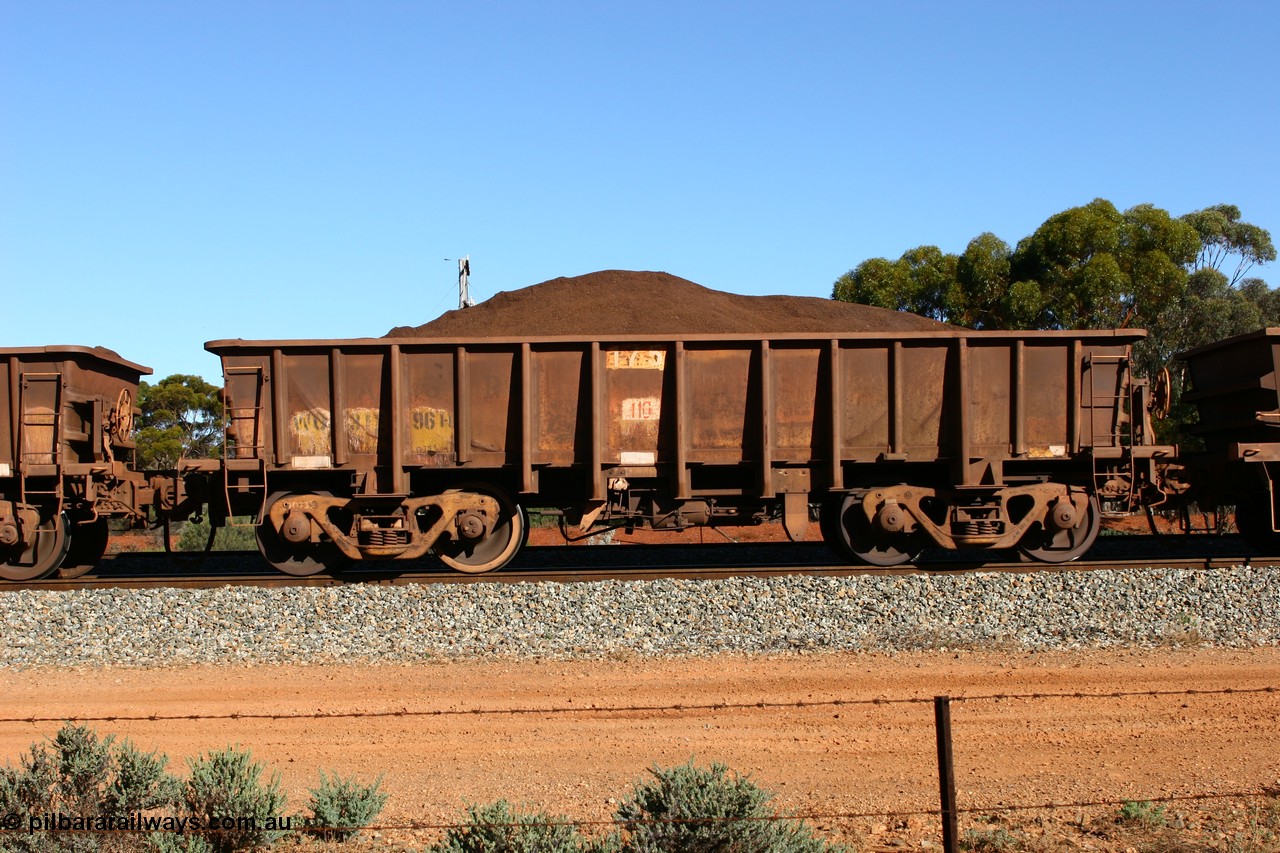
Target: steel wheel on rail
299	560
47	551
88	544
476	544
1254	522
847	531
1062	544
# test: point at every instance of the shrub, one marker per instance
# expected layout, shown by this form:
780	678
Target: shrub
173	843
1142	813
499	828
690	809
237	536
78	773
343	803
997	840
225	786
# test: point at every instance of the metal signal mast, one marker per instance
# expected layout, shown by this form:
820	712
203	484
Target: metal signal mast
464	290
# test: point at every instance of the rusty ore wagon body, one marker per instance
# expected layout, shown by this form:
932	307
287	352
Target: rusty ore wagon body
1235	385
66	420
390	448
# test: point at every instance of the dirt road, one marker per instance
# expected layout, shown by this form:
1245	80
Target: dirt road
852	758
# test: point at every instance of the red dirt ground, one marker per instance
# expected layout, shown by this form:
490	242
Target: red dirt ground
856	758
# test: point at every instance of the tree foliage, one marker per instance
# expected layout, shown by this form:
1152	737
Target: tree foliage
1223	237
1088	267
1092	267
181	418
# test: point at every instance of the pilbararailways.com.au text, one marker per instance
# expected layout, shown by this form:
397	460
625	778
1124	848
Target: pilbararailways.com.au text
138	822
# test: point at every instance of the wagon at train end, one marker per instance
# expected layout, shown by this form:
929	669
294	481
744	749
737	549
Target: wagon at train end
393	448
1235	387
66	453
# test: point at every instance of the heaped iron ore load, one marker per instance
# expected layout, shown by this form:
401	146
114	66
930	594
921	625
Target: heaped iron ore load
638	304
66	445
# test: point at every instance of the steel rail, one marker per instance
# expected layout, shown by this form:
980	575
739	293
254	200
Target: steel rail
607	563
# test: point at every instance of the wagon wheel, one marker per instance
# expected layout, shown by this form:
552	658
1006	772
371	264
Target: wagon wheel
88	544
486	552
122	416
1253	524
307	558
47	551
1062	546
847	531
1161	395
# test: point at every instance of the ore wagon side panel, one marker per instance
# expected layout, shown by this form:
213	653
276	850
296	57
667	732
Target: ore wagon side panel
893	398
865	402
8	410
308	405
992	387
799	381
1043	402
430	413
632	404
1234	384
560	383
492	392
724	394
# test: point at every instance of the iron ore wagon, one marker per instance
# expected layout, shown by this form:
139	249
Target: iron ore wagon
390	448
66	422
1235	385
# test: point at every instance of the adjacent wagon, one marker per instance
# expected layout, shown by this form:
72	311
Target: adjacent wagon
66	421
1235	386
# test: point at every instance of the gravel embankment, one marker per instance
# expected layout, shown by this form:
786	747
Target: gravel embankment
1225	607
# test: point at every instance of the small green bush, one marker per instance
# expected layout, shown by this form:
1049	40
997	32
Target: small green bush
500	828
227	785
689	809
239	536
171	842
79	773
997	840
1142	813
345	804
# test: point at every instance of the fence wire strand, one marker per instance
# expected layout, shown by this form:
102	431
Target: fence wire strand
632	709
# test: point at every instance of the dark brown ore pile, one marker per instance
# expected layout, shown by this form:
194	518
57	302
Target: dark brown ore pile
627	302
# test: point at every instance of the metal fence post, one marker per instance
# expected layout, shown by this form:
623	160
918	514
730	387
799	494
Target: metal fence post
946	773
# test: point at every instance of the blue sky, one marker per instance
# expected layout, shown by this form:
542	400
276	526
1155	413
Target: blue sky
176	172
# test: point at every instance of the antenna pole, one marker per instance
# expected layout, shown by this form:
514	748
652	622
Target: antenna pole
464	290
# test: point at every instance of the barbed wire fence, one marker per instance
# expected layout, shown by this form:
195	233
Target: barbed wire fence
947	812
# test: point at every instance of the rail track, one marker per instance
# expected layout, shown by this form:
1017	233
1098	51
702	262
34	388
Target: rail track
152	570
